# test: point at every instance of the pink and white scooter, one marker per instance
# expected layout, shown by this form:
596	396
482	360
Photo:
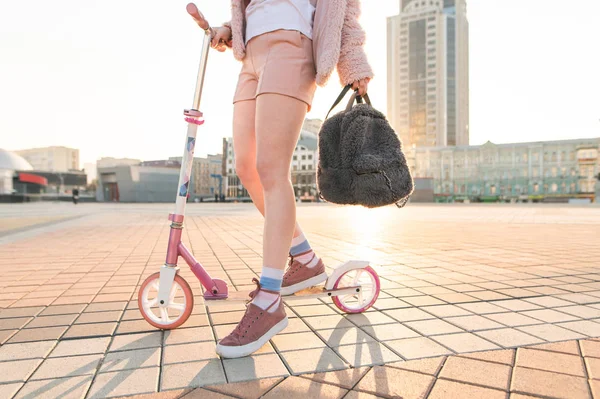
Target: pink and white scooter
166	300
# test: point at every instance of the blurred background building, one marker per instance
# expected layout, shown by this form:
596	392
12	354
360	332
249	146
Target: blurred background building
428	73
550	171
52	159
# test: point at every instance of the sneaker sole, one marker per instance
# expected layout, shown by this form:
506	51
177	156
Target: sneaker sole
292	289
231	352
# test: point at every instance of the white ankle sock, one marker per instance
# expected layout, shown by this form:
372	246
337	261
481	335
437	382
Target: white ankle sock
309	259
265	299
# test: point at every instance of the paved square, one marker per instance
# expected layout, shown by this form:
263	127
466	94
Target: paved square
479	281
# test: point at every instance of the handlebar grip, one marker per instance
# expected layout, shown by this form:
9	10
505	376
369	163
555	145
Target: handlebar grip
197	16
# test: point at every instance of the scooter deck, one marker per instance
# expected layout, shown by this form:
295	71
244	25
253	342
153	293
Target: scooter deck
308	293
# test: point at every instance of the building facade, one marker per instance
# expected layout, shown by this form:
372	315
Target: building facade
303	168
52	159
428	73
540	171
207	177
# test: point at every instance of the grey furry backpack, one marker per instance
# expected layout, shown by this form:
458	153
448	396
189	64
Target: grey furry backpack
360	158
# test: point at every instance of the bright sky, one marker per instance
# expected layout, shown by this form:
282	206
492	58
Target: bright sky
112	77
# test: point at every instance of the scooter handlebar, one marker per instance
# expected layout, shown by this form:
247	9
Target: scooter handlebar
197	16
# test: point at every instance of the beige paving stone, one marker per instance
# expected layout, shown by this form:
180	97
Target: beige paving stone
585	327
578	298
360	395
134	326
366	354
315	310
38	334
105	306
18	370
301	388
69	300
189	352
71	366
513	319
464	342
386	332
433	327
98	317
473	323
444	389
549	315
491	375
520	396
344	336
136	341
86	346
585	312
90	330
296	325
52	321
516	305
14	323
342	378
6	334
254	367
481	307
193	374
423	300
410	314
550	332
429	366
127	360
508	337
390	303
544	383
369	319
549	302
313	360
120	383
568	347
8	390
390	382
595	387
187	335
593	367
446	310
25	350
246	390
590	348
327	322
306	340
415	348
62	309
70	387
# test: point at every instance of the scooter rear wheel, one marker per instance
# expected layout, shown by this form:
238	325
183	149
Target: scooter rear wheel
173	315
368	280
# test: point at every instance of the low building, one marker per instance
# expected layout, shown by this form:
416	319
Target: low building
153	181
52	159
550	171
207	177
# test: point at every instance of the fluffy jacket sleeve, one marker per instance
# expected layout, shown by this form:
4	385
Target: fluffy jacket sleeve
353	64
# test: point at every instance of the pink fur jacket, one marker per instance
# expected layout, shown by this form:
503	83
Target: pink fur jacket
338	39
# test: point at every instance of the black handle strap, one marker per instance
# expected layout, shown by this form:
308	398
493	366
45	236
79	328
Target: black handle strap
354	96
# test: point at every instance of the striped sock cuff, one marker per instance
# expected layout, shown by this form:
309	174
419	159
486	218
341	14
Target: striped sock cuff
303	247
270	279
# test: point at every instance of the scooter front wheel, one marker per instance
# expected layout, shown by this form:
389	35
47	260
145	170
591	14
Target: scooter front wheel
181	303
368	281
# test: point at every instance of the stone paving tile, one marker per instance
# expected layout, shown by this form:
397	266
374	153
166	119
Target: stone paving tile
98	317
254	367
18	371
127	360
544	383
464	342
81	347
473	323
593	367
296	341
346	336
516	305
246	390
25	350
38	334
136	341
62	309
444	389
590	348
313	360
568	347
432	327
506	356
187	335
8	390
70	387
189	352
6	334
512	319
508	337
128	382
193	374
585	327
415	348
430	366
390	382
366	354
386	332
327	322
410	314
90	330
550	361
550	332
51	321
343	378
301	388
14	323
71	366
549	315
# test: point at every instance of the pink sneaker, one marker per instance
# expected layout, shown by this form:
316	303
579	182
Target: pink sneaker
254	330
299	277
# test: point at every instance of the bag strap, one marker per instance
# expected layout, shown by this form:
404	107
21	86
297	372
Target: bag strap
354	96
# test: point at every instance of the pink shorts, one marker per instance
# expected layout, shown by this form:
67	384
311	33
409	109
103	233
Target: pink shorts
279	62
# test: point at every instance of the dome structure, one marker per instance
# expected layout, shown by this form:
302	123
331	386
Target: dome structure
11	161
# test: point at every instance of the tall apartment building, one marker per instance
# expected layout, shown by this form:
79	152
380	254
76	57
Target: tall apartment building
428	73
52	159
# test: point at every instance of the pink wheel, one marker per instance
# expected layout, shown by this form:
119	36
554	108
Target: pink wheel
368	280
175	313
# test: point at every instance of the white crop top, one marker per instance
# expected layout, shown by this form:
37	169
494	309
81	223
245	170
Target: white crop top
264	16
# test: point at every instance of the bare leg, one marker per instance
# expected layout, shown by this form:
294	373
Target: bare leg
244	146
278	123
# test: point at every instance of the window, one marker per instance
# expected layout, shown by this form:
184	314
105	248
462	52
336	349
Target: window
554	187
295	157
304	157
310	167
303	167
310	157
